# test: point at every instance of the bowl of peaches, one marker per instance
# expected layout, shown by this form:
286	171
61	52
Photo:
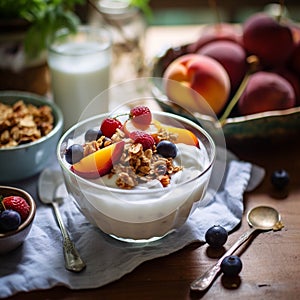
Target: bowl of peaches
137	175
248	74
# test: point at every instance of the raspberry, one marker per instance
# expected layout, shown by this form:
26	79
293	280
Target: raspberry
143	138
109	126
17	204
141	115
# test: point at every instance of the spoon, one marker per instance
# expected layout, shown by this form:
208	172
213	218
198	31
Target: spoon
259	218
50	182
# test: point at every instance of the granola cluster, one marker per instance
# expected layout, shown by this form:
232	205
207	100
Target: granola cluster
137	166
23	123
94	146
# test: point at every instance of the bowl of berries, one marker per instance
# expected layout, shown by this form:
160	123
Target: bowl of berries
137	175
17	212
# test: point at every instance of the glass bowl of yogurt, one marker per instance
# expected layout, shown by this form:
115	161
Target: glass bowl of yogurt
150	209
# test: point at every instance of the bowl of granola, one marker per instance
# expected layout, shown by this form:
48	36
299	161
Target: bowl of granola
30	127
137	176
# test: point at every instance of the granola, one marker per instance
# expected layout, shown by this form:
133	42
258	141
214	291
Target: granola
137	166
23	123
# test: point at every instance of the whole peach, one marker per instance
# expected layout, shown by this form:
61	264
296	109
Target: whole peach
266	91
231	56
198	83
271	41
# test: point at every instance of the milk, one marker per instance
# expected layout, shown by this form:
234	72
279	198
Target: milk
79	72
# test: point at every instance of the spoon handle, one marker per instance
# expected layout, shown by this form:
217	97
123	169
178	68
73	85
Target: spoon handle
204	281
73	261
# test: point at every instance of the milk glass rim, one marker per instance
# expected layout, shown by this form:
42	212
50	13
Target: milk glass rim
64	32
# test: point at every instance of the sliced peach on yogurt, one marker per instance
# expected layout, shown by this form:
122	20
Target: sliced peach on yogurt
183	135
100	162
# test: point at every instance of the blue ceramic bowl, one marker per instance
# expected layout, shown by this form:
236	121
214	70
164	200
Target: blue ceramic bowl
23	161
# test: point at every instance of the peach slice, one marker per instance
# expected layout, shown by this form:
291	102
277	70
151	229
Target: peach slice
183	135
100	162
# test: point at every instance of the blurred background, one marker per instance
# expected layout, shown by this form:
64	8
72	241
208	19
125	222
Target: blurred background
179	12
26	27
185	12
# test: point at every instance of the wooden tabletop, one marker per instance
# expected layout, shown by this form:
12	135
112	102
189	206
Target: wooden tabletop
271	260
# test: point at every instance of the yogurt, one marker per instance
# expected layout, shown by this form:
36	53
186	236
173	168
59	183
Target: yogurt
148	211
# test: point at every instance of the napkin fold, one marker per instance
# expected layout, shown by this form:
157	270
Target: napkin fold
39	262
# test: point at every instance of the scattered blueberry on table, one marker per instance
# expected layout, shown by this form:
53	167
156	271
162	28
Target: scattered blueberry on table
280	179
231	265
216	236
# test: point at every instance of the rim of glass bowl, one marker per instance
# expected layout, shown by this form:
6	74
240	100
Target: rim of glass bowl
137	191
27	97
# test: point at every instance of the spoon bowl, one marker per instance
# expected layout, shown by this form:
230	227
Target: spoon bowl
259	218
263	217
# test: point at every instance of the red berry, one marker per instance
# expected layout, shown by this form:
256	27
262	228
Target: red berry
141	115
143	138
17	204
109	126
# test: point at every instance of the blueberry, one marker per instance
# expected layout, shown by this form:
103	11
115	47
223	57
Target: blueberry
166	149
92	135
9	220
74	153
280	179
216	236
231	265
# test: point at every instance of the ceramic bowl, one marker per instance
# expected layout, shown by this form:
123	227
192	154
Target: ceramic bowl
12	239
26	160
147	213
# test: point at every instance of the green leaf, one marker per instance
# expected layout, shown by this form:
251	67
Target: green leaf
143	5
45	17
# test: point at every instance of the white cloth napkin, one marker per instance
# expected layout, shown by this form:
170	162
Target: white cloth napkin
39	262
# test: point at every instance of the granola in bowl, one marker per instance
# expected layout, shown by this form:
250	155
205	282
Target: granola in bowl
30	127
22	123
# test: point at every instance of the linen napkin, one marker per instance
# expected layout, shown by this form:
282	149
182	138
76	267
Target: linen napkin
39	262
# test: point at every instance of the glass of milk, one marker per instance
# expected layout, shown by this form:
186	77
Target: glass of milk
80	70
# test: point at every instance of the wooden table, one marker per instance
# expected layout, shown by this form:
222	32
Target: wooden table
271	260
